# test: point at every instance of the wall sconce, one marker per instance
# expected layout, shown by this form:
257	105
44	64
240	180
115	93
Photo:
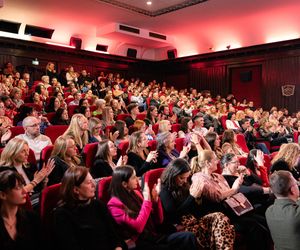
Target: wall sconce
228	47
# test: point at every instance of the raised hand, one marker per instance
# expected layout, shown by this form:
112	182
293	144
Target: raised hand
146	192
152	156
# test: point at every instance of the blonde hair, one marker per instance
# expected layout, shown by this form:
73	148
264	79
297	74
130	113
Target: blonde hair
11	150
200	162
93	122
60	149
134	139
289	152
74	130
163	126
239	115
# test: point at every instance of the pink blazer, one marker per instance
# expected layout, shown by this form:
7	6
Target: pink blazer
118	212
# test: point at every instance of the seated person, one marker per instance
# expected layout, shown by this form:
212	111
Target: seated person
139	216
19	228
283	216
80	221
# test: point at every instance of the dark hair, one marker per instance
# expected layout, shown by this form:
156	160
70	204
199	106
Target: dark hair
175	167
81	110
81	101
150	109
103	150
228	136
226	158
211	138
116	189
184	124
57	119
131	106
196	117
161	108
280	182
24	112
9	179
38	89
229	115
250	163
73	177
50	106
119	126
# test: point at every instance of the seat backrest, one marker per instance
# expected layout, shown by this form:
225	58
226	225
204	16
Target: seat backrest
17	130
71	109
141	116
241	141
123	146
223	119
48	201
155	128
176	127
151	176
152	145
179	143
55	131
89	153
102	189
242	160
46	153
122	117
50	116
195	112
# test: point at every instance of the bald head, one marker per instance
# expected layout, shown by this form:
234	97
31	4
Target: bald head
31	126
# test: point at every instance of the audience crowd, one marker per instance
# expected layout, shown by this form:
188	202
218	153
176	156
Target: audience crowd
73	131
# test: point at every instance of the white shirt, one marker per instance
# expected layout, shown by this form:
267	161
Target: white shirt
37	144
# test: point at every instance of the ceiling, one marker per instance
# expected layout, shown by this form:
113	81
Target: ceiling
200	28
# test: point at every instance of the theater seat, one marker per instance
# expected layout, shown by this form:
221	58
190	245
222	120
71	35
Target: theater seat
152	145
17	130
46	153
55	131
241	141
123	146
179	143
175	127
122	117
152	175
102	189
89	153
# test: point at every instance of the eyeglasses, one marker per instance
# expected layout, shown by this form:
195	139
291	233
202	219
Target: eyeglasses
34	125
234	162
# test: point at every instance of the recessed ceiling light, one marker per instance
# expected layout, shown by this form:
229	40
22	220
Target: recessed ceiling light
149	2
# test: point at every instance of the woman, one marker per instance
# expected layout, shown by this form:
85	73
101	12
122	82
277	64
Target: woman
121	128
50	71
139	215
64	154
152	115
166	149
54	105
287	159
164	126
179	200
229	144
104	164
269	132
107	117
186	127
14	156
95	131
80	221
216	189
85	111
255	163
138	155
140	125
71	75
78	130
16	97
5	132
231	123
61	117
214	142
117	92
19	228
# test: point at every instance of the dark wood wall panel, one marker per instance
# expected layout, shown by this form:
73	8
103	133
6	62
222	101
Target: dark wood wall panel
212	78
278	72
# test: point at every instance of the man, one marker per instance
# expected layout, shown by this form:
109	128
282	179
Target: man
36	141
133	110
199	125
283	217
155	100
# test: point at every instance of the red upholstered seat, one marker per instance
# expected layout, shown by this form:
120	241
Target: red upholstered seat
241	141
179	143
71	109
176	127
123	146
89	153
223	119
46	153
152	145
55	131
122	117
50	116
17	130
155	128
151	176
103	186
48	201
141	116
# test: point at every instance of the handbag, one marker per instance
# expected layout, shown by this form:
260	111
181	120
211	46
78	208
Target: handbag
239	204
